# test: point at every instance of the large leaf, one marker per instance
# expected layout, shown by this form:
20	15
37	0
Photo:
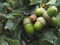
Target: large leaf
13	25
49	36
3	42
14	3
13	21
57	42
13	42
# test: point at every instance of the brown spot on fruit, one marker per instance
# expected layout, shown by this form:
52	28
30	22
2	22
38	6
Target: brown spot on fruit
33	17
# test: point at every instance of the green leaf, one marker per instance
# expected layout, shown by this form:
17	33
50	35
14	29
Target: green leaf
29	10
45	1
2	0
14	3
9	25
45	43
13	21
3	42
58	18
57	3
33	2
13	41
57	32
13	25
10	16
1	9
17	42
57	42
48	35
34	43
1	27
52	2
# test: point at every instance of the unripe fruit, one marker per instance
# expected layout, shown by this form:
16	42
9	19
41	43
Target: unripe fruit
28	26
42	20
39	23
38	26
52	11
33	17
53	21
39	11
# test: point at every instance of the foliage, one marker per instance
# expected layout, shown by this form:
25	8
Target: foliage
11	27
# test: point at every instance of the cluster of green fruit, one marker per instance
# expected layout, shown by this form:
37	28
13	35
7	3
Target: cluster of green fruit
41	18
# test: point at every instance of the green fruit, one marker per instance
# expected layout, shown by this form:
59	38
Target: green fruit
41	20
52	11
5	5
53	21
39	11
38	26
29	28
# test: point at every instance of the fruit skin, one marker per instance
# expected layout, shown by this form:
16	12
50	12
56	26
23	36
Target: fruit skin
39	11
41	20
39	23
52	11
53	21
28	26
38	26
